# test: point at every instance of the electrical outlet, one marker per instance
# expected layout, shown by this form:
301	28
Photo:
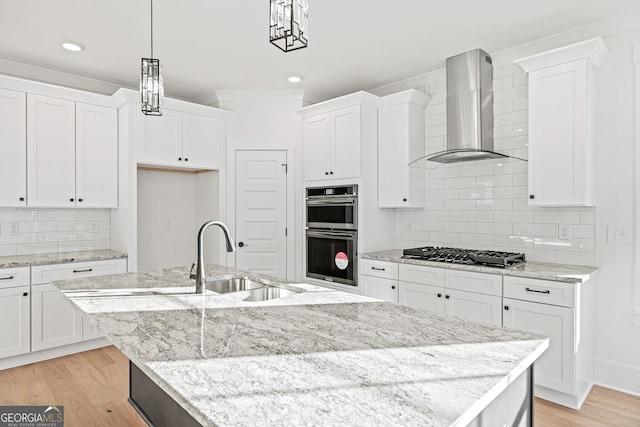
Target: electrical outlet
564	231
94	226
619	235
10	229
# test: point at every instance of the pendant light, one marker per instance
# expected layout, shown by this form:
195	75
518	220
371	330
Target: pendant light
151	84
288	28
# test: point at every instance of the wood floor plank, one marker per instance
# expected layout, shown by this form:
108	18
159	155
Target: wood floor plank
93	387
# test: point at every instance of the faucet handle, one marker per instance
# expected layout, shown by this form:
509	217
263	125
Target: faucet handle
192	275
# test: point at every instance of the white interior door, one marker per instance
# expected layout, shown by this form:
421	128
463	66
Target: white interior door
261	211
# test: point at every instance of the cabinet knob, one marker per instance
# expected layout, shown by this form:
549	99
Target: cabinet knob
404	200
186	160
80	200
71	199
180	158
331	173
506	307
326	173
439	295
393	287
447	296
25	294
22	199
531	196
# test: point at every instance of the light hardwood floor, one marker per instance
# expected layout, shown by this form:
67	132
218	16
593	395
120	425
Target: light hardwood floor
93	388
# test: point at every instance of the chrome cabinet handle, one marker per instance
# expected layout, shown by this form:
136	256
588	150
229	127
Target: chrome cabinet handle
83	271
6	278
546	291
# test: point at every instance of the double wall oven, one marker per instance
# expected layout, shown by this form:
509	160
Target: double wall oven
332	234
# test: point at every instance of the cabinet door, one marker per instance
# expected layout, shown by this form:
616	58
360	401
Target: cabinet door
96	156
377	287
558	135
161	139
51	152
201	141
317	147
555	369
13	148
345	143
424	297
54	319
471	306
15	317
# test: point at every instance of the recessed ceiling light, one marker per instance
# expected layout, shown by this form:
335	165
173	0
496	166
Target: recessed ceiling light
295	79
73	46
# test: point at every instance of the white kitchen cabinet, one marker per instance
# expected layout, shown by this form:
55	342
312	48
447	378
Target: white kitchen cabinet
379	279
13	148
15	319
338	135
72	154
562	124
180	139
332	145
96	156
420	296
54	319
51	152
401	133
555	368
473	306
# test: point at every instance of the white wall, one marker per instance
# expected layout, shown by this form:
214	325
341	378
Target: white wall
483	207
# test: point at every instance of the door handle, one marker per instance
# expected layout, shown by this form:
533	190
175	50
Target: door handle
242	244
6	278
546	291
83	271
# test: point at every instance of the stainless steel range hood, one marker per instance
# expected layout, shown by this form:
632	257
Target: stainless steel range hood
469	110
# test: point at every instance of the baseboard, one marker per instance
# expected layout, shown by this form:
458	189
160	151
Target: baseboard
617	376
564	399
52	353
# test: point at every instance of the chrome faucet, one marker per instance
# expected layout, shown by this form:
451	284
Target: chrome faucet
200	275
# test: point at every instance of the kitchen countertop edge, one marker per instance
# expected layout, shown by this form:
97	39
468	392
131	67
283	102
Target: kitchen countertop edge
14	261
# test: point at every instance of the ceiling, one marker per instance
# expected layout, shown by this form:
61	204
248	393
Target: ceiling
207	45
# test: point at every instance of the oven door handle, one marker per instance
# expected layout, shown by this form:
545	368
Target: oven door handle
321	202
326	234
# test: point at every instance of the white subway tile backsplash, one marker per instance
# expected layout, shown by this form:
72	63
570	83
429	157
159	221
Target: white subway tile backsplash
460	227
36	248
445	215
35	227
510	118
510	93
57	215
7	250
510	192
437	131
443	172
94	214
494	181
495	204
556	244
466	182
556	217
476	239
476	216
579	258
500	144
508	69
102	244
502	83
521	104
435	109
583	231
460	205
587	245
476	193
503	132
513	216
535	230
445	238
451	194
75	246
510	167
434	205
437	98
17	215
520	79
435	120
521	129
517	242
6	239
503	107
588	217
475	170
540	255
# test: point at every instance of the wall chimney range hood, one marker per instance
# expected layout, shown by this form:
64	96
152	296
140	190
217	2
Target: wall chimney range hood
469	111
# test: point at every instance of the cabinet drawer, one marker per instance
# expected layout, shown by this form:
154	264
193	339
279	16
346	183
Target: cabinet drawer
77	270
422	274
482	283
545	291
384	269
12	277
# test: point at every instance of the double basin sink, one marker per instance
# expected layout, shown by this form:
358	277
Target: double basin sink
245	289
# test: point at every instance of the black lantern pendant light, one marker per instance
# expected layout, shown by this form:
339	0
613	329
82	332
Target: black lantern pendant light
151	84
288	29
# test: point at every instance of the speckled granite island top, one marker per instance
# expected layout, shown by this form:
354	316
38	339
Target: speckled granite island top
58	258
317	357
533	270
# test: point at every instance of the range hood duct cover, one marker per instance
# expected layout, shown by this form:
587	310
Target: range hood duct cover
469	109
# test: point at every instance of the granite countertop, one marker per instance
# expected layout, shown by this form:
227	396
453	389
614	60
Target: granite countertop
317	357
534	270
58	258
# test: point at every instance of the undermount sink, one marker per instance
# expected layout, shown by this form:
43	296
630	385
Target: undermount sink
264	293
223	286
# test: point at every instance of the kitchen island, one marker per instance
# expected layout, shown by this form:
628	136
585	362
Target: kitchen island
315	357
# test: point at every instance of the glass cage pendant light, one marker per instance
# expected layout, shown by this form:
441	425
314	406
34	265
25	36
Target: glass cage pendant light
288	28
151	82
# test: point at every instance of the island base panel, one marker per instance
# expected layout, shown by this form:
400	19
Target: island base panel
513	407
153	404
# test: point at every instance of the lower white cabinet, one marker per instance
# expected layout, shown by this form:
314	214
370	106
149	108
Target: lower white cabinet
54	319
473	306
380	288
555	368
15	318
424	297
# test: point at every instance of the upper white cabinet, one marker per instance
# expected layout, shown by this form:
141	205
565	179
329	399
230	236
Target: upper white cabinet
96	156
180	139
336	133
561	123
72	151
400	141
13	148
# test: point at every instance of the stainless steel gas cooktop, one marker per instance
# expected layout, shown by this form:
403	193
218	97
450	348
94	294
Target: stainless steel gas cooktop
465	256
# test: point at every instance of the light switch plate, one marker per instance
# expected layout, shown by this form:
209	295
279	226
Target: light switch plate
620	235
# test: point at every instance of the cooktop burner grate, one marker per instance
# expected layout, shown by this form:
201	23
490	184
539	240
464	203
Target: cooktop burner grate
465	256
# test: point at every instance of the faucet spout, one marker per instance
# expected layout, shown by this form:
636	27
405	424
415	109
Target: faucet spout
200	273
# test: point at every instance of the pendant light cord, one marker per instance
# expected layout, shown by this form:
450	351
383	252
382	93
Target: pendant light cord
151	29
